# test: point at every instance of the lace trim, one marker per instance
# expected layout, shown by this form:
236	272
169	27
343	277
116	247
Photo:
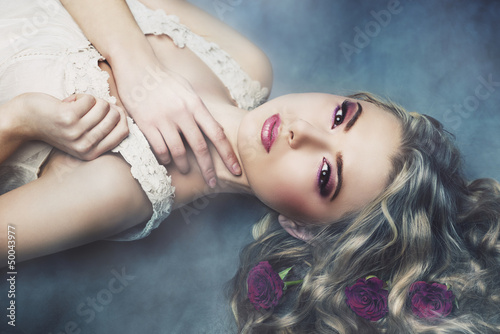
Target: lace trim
83	75
247	93
152	176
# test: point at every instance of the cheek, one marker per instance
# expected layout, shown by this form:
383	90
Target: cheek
272	185
292	195
284	181
290	198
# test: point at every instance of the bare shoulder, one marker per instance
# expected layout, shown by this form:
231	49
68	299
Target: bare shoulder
251	58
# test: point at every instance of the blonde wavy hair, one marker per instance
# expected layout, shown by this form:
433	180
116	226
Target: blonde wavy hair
429	224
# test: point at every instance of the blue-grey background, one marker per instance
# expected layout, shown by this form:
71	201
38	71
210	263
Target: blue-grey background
430	56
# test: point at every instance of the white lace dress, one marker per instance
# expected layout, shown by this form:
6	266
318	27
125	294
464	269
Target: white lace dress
43	50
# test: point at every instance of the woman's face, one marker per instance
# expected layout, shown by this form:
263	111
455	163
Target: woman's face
314	157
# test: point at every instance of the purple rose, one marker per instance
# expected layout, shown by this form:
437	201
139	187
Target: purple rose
368	298
431	300
265	286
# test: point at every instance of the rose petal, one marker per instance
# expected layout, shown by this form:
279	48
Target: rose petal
431	300
367	298
265	287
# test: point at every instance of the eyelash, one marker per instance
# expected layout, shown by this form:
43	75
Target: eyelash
325	183
324	178
340	118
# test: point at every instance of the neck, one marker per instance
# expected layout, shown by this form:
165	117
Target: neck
229	117
191	186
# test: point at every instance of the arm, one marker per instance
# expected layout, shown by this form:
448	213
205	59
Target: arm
80	125
72	203
162	111
123	42
11	137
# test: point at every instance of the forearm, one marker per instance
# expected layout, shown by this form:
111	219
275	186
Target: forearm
11	130
8	146
52	213
111	28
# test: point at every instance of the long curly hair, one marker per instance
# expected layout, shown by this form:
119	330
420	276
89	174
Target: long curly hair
428	224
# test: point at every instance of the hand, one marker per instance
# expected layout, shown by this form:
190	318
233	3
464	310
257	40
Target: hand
163	109
168	107
80	125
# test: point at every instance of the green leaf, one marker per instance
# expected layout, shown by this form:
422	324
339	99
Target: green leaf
290	283
284	273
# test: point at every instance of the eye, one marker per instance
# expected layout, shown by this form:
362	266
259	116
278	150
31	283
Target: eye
339	114
324	178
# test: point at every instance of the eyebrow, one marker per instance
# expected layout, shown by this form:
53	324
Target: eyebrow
339	176
353	119
340	162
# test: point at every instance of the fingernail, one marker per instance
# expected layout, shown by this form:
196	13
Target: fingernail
212	182
236	168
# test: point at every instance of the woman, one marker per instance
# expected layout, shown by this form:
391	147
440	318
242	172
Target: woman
343	110
288	134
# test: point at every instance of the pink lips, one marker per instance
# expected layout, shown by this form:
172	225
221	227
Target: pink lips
270	131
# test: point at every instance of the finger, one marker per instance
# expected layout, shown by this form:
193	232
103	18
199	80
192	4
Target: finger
199	146
99	112
118	133
214	131
83	103
158	145
176	147
71	98
104	127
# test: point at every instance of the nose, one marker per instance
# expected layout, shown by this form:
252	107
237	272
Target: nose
302	133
